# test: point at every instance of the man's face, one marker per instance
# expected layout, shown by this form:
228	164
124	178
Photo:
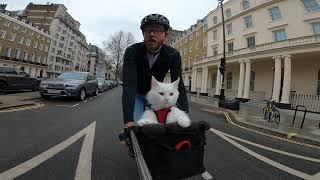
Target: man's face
154	36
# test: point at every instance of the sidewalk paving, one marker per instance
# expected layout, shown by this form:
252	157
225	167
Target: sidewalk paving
251	114
18	99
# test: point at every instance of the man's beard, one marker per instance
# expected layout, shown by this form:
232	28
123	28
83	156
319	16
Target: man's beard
153	46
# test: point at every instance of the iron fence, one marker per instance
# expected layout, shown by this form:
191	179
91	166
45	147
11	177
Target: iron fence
311	102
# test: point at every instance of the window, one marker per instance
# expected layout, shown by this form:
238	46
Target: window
190	48
205	43
33	57
57	36
229	80
318	88
279	35
215	51
205	27
197	34
7	52
46	48
12	36
214	78
17	54
35	44
59	29
191	37
311	5
215	35
38	36
62	38
229	29
215	20
53	50
251	42
252	79
275	13
248	22
40	47
316	27
25	55
21	40
28	41
2	33
230	47
197	44
228	13
245	5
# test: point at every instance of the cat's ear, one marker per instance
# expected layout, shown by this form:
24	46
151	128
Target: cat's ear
154	82
176	83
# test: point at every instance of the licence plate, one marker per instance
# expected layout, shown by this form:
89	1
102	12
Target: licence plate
53	91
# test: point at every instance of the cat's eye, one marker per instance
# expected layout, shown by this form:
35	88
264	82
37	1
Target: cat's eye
171	94
161	93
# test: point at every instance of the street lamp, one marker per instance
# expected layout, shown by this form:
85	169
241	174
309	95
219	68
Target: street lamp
222	67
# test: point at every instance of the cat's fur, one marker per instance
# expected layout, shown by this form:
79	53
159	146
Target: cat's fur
164	95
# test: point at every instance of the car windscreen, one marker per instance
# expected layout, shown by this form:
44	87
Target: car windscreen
73	75
100	80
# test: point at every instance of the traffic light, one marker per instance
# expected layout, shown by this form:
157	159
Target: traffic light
223	65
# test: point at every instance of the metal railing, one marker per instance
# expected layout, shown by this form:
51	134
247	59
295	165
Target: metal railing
311	102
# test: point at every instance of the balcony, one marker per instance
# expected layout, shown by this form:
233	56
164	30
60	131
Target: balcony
295	43
23	61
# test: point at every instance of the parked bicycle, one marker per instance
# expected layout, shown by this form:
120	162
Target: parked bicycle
271	113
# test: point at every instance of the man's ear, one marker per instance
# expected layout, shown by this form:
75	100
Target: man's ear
154	82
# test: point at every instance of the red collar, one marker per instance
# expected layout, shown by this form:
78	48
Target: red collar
162	114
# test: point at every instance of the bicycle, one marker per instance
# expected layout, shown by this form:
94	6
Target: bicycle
271	113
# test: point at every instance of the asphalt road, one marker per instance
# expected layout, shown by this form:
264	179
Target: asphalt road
58	140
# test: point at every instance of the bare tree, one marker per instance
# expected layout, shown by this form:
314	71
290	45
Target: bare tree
115	48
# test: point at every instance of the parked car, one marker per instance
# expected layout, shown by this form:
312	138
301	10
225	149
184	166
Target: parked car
102	86
70	84
12	79
111	84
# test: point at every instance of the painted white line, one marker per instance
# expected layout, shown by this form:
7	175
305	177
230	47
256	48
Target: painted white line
84	164
272	149
262	158
90	98
316	176
34	162
206	175
76	105
85	101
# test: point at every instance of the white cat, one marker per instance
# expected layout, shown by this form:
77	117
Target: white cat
162	96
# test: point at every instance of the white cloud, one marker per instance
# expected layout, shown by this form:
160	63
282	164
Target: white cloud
101	18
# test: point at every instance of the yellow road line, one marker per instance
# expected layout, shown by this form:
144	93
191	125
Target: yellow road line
269	135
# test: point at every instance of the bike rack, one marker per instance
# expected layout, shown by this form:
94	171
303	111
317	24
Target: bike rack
304	116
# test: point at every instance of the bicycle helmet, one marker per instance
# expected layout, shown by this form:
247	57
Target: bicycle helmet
155	19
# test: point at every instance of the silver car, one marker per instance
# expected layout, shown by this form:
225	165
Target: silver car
70	84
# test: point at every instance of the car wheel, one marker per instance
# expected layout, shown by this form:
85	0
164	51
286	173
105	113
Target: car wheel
82	95
96	92
3	87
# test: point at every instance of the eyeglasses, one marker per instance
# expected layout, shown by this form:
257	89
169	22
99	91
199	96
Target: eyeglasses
155	30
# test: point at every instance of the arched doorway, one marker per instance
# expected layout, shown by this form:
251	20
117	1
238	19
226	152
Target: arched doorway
22	68
41	73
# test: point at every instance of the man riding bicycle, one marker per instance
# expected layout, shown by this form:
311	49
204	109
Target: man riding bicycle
145	59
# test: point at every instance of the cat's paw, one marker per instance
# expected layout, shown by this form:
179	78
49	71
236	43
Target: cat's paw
184	122
142	122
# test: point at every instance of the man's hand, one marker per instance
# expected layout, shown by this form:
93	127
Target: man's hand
128	124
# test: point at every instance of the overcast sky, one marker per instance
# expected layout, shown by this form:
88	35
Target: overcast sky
101	18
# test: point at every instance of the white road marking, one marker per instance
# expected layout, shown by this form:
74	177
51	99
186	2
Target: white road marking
90	98
206	175
34	162
76	105
85	101
262	158
315	177
272	149
84	164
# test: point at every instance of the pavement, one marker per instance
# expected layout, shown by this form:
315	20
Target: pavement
250	114
13	100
